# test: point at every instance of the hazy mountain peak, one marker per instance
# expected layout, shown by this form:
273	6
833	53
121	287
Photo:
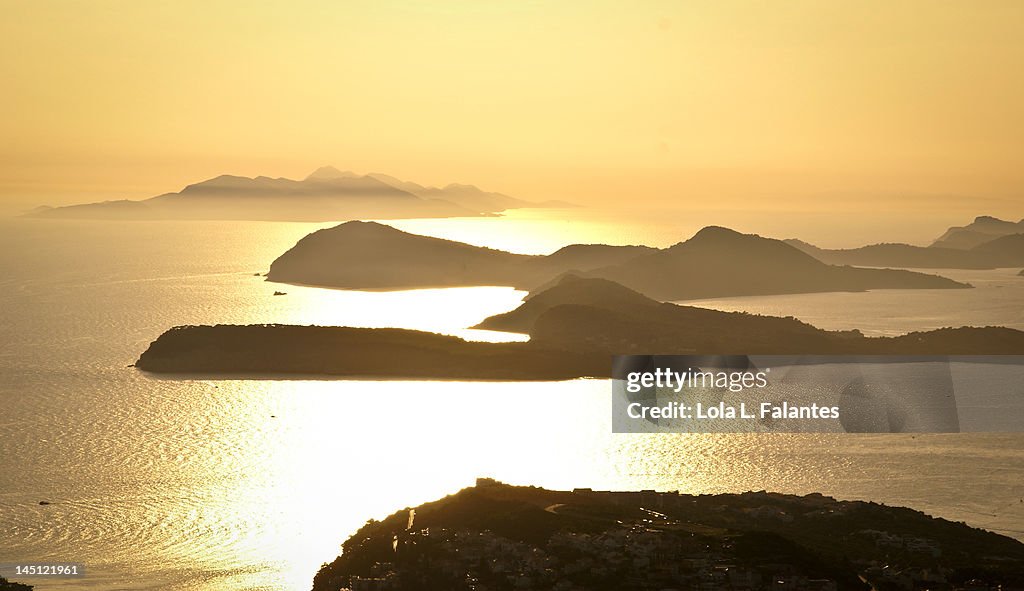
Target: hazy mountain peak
717	236
983	229
326	194
326	173
716	232
361	225
460	187
226	178
219	181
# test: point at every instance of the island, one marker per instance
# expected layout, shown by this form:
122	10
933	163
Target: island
496	537
328	194
273	349
901	255
716	262
575	327
984	251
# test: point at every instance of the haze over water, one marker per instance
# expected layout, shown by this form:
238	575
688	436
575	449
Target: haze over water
241	484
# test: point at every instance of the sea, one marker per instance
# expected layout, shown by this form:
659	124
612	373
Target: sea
228	484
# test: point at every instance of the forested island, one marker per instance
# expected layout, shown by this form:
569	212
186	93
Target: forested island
575	327
495	537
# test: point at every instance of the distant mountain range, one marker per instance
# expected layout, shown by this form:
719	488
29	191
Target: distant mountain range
327	194
983	229
716	262
986	243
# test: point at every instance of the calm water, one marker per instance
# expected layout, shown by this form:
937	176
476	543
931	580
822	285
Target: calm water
235	484
997	300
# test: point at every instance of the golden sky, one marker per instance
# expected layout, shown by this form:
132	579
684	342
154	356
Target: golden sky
796	103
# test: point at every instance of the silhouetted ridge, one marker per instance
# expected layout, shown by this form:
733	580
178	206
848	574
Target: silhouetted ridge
574	328
718	262
329	172
582	256
372	255
1005	251
899	255
277	349
570	289
587	314
368	255
983	229
326	194
715	262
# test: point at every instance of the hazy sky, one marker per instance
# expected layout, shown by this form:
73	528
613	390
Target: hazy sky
770	104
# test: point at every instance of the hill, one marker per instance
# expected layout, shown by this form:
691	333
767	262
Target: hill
898	255
715	262
369	255
983	229
719	262
499	536
600	316
1005	251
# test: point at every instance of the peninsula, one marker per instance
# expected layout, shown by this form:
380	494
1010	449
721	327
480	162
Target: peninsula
716	262
496	536
370	255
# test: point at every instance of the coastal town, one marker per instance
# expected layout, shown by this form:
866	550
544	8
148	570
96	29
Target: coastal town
652	540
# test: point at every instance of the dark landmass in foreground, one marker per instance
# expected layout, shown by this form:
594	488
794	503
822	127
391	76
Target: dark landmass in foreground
327	194
716	262
6	585
496	537
575	327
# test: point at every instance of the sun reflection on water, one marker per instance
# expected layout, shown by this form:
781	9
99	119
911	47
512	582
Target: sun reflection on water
334	453
443	310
